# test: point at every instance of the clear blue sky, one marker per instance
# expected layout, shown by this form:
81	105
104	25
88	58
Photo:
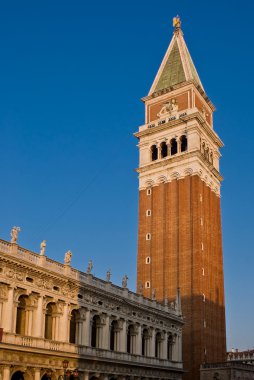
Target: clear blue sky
71	76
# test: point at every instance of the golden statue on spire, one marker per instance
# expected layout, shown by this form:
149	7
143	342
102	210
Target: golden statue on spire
177	22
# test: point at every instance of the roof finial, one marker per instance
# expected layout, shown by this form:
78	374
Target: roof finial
177	22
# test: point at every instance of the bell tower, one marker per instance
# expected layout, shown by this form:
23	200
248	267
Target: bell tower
179	233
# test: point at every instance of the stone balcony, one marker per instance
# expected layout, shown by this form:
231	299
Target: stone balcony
40	345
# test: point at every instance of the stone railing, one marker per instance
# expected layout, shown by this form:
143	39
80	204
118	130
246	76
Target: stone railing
242	356
44	262
20	341
230	364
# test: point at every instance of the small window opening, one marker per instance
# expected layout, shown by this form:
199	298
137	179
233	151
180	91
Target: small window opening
56	288
154	152
148	212
80	296
29	279
164	150
148	260
173	145
183	143
148	191
147	284
148	236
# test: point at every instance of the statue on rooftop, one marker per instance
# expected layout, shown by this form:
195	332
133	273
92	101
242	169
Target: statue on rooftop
43	247
67	258
14	234
108	275
125	281
90	267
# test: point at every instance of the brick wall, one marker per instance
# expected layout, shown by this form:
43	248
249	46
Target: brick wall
186	251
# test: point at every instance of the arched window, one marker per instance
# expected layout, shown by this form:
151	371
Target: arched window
173	147
48	333
73	327
96	331
170	347
154	152
164	149
183	143
158	342
113	335
145	342
21	315
18	376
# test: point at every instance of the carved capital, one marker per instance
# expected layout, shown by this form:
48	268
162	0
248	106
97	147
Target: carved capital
3	292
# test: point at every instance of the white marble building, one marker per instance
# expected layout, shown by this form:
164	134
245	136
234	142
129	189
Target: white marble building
51	313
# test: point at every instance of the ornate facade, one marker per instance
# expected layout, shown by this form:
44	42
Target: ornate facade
179	243
51	312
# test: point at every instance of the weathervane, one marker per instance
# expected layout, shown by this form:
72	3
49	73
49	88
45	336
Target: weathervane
177	22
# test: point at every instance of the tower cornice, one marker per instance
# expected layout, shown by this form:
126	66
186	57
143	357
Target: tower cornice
171	124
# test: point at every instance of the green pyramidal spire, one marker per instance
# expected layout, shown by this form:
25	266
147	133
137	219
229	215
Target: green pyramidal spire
177	66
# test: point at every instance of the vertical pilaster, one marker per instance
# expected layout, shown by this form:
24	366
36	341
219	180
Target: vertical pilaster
86	329
123	337
38	319
8	311
6	373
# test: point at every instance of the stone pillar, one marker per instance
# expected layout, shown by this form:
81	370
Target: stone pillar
86	329
175	348
105	333
122	336
152	344
6	373
180	355
3	301
138	350
86	376
78	337
1	312
28	321
38	319
64	324
57	331
37	374
159	151
8	320
164	347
